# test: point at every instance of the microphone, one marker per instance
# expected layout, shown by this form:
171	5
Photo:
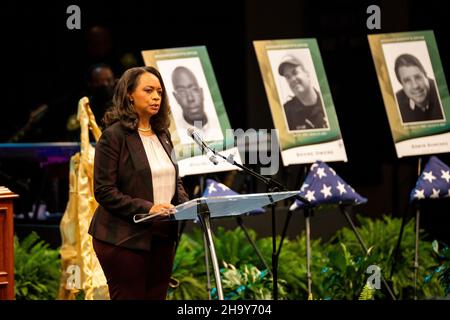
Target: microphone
196	137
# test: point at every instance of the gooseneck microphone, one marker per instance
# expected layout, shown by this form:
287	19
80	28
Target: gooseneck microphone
203	146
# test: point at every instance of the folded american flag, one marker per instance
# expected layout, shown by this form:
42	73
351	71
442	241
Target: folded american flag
323	186
433	183
216	189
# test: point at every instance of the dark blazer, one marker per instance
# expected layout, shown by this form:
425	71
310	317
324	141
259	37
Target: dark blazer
123	187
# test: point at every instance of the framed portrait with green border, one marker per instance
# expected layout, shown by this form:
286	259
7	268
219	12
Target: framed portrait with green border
414	90
300	101
195	102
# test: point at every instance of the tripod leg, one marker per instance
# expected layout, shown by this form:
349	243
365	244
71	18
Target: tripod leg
366	251
274	256
276	252
209	240
308	252
241	224
397	246
416	254
208	276
283	234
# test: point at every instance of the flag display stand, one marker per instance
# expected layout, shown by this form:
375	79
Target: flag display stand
307	215
402	228
433	183
322	186
416	250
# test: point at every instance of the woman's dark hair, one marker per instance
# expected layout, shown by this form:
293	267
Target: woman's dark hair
122	110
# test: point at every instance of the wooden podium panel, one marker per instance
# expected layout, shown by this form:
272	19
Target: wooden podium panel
6	244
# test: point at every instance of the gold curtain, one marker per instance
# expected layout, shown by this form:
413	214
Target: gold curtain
81	269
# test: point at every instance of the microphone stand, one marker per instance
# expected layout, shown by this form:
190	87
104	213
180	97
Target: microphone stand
272	186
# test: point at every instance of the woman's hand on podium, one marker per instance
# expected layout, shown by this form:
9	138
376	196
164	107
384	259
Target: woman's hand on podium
162	209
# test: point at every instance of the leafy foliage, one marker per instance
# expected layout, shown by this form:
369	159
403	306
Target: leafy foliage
366	293
344	273
338	267
381	236
292	267
189	271
442	269
36	269
247	283
233	247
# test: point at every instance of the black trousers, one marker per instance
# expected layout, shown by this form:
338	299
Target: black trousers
137	274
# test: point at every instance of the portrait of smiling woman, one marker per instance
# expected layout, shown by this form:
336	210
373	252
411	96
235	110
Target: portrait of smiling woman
134	173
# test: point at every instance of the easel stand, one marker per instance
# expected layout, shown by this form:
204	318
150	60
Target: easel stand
417	233
308	250
416	253
307	212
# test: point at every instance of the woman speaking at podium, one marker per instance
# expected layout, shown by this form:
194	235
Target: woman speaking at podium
134	173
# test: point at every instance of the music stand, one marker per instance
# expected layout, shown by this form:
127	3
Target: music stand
207	208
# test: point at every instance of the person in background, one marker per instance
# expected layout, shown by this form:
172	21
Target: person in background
100	83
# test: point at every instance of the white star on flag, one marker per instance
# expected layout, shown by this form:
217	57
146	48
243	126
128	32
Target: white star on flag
326	191
445	175
419	194
428	176
434	180
224	187
435	194
341	188
211	188
321	173
310	195
323	186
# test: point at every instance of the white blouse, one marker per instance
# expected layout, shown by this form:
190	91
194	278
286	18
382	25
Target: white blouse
163	171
